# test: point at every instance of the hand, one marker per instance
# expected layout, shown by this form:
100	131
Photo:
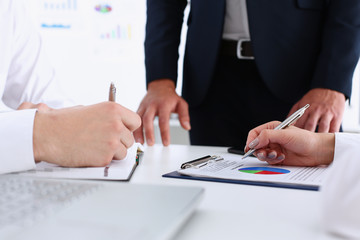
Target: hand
39	106
325	112
88	136
291	146
161	100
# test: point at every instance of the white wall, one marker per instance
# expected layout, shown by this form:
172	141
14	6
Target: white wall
86	63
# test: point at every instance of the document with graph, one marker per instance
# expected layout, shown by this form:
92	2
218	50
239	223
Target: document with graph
120	170
233	169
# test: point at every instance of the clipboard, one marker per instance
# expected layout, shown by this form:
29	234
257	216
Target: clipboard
200	163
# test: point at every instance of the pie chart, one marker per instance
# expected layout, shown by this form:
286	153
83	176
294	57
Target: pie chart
264	170
103	8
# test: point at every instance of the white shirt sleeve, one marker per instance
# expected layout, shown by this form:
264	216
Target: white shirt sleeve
341	190
16	148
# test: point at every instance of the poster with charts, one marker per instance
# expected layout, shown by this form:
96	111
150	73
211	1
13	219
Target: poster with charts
110	28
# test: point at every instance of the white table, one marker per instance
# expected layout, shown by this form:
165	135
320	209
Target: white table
234	211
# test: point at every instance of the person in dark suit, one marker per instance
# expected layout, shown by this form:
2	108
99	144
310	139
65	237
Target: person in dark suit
246	63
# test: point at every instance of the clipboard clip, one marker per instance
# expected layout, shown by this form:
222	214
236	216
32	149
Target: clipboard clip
200	162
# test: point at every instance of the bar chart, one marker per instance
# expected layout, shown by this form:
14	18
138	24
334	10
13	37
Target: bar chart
59	5
118	32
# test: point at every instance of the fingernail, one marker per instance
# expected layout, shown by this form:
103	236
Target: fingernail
260	156
271	155
187	125
149	142
281	157
254	143
166	142
139	140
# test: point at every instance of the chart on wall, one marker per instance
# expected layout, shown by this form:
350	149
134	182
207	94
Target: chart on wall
111	27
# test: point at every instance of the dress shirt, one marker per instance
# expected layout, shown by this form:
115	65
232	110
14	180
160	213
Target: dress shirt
236	24
341	190
25	75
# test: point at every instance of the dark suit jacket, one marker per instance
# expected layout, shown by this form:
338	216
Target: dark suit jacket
298	44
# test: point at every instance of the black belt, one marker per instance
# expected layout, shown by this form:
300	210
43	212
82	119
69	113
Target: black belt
241	49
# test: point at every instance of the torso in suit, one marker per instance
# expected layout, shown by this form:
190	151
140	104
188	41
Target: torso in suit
298	44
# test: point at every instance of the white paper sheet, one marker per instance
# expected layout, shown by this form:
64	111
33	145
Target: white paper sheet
116	170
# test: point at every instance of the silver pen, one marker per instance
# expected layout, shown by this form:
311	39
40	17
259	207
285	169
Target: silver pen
287	122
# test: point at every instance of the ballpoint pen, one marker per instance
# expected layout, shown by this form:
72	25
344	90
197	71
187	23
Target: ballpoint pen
112	93
112	98
287	122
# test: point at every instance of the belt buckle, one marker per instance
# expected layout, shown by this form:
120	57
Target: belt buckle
239	49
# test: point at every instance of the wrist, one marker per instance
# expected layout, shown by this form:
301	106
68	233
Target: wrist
41	136
326	148
161	84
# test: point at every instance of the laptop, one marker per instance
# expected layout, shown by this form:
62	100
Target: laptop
35	208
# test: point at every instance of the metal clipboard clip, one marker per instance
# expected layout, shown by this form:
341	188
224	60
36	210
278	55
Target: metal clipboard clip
200	162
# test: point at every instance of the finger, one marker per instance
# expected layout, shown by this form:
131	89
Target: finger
126	138
120	153
130	119
260	154
25	105
273	137
42	107
254	133
335	124
300	123
139	133
183	111
274	161
324	123
164	118
148	122
312	120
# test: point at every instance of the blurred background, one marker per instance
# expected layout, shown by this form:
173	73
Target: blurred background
91	43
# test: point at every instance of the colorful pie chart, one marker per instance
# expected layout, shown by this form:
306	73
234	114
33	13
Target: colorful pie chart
264	170
103	8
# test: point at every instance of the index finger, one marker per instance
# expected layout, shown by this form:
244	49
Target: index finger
130	119
256	131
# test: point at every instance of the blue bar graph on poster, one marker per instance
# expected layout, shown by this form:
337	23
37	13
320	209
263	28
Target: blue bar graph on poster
60	5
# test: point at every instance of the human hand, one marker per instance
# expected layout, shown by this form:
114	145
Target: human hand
291	146
39	106
89	136
161	100
325	112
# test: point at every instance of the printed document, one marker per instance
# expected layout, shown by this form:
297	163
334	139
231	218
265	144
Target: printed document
251	169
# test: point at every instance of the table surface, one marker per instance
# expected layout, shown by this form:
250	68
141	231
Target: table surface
234	211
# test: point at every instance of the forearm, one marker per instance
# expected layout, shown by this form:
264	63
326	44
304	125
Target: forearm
163	29
340	47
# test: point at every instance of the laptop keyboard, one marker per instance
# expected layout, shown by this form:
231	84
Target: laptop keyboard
24	201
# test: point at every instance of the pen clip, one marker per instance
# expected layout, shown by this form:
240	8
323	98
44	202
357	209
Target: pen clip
201	162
